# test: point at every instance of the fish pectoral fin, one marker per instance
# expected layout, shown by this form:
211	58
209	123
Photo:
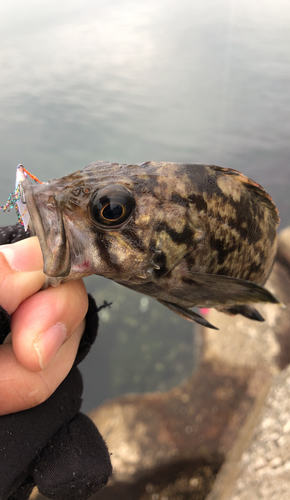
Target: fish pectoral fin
187	314
212	290
245	310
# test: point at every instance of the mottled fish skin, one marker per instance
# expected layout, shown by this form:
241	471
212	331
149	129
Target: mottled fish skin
188	222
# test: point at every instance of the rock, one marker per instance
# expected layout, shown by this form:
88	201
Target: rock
158	438
262	469
265	466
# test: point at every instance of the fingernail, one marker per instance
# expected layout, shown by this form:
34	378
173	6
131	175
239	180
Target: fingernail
11	257
21	256
48	344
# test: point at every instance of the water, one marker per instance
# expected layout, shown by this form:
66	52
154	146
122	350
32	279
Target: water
150	80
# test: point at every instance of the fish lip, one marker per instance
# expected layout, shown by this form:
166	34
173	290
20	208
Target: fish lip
57	261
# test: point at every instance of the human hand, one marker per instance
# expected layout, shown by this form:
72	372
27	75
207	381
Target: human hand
46	328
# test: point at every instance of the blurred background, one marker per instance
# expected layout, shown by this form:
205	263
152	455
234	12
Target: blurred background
128	81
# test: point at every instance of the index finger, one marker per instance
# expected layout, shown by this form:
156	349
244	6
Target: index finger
21	272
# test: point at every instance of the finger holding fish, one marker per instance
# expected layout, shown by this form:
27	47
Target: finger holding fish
31	367
21	272
44	322
21	388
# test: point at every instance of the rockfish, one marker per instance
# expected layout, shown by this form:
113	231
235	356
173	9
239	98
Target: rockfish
189	235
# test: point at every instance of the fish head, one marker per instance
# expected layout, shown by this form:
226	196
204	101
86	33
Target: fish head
117	221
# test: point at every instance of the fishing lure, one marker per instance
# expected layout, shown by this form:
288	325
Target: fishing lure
14	199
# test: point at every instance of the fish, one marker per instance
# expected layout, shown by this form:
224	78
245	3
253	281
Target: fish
189	235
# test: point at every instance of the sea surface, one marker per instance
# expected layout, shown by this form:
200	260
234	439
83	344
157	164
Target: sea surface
129	81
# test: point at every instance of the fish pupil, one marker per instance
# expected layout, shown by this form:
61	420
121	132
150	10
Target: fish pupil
113	211
111	205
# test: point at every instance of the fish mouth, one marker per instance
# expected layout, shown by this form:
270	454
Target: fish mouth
46	223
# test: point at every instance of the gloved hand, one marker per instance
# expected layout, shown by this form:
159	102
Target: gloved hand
51	445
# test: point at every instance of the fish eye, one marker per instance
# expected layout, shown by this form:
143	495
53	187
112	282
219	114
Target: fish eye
111	205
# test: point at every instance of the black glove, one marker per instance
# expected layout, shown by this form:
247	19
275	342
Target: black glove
52	446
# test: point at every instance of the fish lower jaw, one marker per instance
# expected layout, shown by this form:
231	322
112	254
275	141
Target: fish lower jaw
56	281
51	281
